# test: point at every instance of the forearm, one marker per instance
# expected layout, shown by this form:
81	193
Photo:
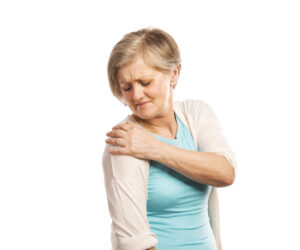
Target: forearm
152	248
205	167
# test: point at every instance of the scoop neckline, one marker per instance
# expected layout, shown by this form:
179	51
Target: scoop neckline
164	138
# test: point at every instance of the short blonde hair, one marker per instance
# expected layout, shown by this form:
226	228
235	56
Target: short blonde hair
157	48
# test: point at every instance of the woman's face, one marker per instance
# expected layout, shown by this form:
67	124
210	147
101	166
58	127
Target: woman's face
146	91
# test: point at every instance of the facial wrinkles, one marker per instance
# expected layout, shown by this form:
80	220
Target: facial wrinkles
133	75
132	78
135	72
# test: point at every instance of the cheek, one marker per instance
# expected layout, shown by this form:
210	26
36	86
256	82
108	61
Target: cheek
157	92
125	94
161	87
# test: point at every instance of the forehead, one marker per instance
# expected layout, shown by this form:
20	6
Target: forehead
136	70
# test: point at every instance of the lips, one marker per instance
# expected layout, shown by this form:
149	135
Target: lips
141	103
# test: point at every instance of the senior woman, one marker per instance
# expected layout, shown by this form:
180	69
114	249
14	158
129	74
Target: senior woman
163	163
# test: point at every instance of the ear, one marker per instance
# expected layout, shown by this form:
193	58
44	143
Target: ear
174	75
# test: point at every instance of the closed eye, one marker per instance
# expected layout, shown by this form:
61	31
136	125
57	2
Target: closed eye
146	83
143	83
127	89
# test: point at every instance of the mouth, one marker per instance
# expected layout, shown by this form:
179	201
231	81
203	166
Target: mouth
141	104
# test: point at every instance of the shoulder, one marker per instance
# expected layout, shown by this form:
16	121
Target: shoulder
123	166
128	118
191	106
191	103
125	119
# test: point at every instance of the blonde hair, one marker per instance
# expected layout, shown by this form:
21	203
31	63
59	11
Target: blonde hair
157	48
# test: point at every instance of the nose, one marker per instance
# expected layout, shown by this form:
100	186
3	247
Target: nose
137	93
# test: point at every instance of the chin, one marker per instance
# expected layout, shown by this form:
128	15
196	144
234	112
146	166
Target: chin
143	115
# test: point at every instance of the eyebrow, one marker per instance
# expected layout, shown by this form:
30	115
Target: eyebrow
140	78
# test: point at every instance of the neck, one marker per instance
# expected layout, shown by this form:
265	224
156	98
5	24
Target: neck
164	125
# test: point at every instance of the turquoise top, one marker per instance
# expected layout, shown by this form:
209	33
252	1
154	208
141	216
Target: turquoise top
177	207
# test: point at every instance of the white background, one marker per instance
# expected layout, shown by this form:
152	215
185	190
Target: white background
241	57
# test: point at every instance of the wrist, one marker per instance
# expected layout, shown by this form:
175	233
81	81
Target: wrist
158	150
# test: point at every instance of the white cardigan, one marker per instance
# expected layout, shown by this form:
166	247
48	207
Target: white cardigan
126	179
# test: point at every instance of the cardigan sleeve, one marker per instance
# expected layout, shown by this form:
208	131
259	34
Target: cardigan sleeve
210	134
210	138
126	194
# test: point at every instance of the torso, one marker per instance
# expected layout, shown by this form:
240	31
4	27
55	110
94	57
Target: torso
177	207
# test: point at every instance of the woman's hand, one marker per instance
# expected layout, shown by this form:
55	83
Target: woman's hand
132	140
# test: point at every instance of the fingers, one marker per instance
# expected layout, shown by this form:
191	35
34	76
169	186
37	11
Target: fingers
116	133
117	137
117	151
116	141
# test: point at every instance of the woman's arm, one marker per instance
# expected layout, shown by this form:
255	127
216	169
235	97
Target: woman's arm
127	202
152	248
210	166
206	167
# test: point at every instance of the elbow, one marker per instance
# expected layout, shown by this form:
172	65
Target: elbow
224	182
229	180
228	176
